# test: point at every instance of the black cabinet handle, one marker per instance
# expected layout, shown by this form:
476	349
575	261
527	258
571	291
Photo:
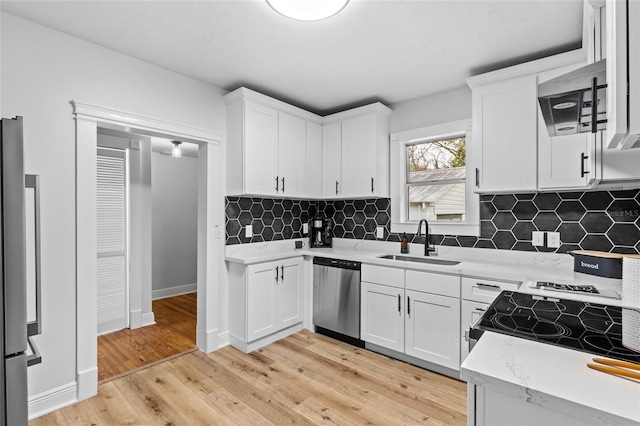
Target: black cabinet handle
276	274
399	304
283	185
282	272
372	185
583	157
594	106
277	181
409	306
477	177
336	187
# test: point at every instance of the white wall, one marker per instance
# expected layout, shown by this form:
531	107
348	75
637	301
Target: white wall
41	71
426	111
174	194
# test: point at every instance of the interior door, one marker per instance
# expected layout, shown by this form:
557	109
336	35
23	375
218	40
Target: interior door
112	240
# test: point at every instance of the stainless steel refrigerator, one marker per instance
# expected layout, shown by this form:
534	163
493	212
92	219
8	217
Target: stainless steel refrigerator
13	280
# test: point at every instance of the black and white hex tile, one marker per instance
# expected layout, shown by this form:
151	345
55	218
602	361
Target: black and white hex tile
601	220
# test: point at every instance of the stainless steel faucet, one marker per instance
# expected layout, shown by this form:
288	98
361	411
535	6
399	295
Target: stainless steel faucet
427	249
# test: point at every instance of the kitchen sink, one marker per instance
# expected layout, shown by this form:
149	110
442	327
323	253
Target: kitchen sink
419	259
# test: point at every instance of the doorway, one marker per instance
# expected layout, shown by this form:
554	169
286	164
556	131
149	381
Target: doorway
140	171
210	217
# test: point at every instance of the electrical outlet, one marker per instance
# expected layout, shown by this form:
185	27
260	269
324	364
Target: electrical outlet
553	239
248	231
305	228
380	232
537	238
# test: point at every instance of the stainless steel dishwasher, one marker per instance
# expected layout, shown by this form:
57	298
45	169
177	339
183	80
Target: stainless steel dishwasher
336	299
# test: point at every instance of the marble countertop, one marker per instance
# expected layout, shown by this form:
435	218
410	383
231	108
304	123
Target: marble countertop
552	377
505	265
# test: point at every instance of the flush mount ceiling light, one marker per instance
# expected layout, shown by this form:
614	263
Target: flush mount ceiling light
177	150
307	10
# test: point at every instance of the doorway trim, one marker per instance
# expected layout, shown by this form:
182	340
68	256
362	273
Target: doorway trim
88	118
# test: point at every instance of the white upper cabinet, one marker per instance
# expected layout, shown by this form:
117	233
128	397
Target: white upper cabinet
292	151
356	153
314	160
504	135
266	145
275	149
623	73
331	159
261	148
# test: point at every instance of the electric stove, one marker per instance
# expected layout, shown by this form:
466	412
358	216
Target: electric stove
583	326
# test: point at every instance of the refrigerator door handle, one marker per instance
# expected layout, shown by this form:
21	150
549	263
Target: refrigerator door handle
33	182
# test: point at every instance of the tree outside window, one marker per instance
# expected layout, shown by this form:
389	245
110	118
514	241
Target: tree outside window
435	180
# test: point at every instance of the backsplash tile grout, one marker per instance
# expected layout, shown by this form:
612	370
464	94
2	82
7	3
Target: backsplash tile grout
599	220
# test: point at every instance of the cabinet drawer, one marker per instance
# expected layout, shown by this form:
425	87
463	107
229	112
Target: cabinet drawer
483	290
427	282
382	275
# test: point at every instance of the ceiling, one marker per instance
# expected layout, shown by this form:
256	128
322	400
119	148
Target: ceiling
388	51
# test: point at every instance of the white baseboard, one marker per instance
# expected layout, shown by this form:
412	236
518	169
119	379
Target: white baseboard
87	383
174	291
223	340
52	400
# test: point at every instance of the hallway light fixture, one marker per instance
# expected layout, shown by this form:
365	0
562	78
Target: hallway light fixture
307	10
177	150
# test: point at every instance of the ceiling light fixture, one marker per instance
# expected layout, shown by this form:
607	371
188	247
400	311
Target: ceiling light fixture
307	10
177	150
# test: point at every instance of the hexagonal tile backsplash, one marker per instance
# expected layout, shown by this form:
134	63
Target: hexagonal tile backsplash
602	220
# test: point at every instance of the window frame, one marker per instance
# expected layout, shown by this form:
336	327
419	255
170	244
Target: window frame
399	173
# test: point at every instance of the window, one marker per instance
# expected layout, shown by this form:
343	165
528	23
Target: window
429	169
435	180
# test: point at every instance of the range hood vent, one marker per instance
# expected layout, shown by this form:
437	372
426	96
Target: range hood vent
567	101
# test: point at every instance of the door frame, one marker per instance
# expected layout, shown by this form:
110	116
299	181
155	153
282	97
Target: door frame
211	163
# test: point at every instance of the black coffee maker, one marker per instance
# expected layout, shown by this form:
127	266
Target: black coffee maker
320	232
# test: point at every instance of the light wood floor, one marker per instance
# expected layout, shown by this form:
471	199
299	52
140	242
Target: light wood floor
303	379
173	333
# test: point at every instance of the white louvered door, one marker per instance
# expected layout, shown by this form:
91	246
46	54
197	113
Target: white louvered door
112	240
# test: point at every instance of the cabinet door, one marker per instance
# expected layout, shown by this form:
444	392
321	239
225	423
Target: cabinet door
382	315
470	312
289	293
314	160
261	300
432	328
292	152
359	156
261	149
505	135
332	160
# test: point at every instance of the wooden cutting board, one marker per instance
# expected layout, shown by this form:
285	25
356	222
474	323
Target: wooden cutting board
604	254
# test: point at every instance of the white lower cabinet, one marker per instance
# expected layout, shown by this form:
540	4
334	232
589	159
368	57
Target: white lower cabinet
382	315
266	302
431	328
396	314
497	408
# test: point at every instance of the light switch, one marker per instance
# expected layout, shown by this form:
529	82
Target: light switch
305	228
537	238
553	239
380	232
248	231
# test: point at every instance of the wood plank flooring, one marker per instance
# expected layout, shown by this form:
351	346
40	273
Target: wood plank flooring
173	333
306	379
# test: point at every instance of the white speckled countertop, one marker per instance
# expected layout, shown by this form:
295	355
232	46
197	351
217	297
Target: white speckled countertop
514	266
552	377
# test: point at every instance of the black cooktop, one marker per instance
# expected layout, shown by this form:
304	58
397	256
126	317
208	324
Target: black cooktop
584	326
